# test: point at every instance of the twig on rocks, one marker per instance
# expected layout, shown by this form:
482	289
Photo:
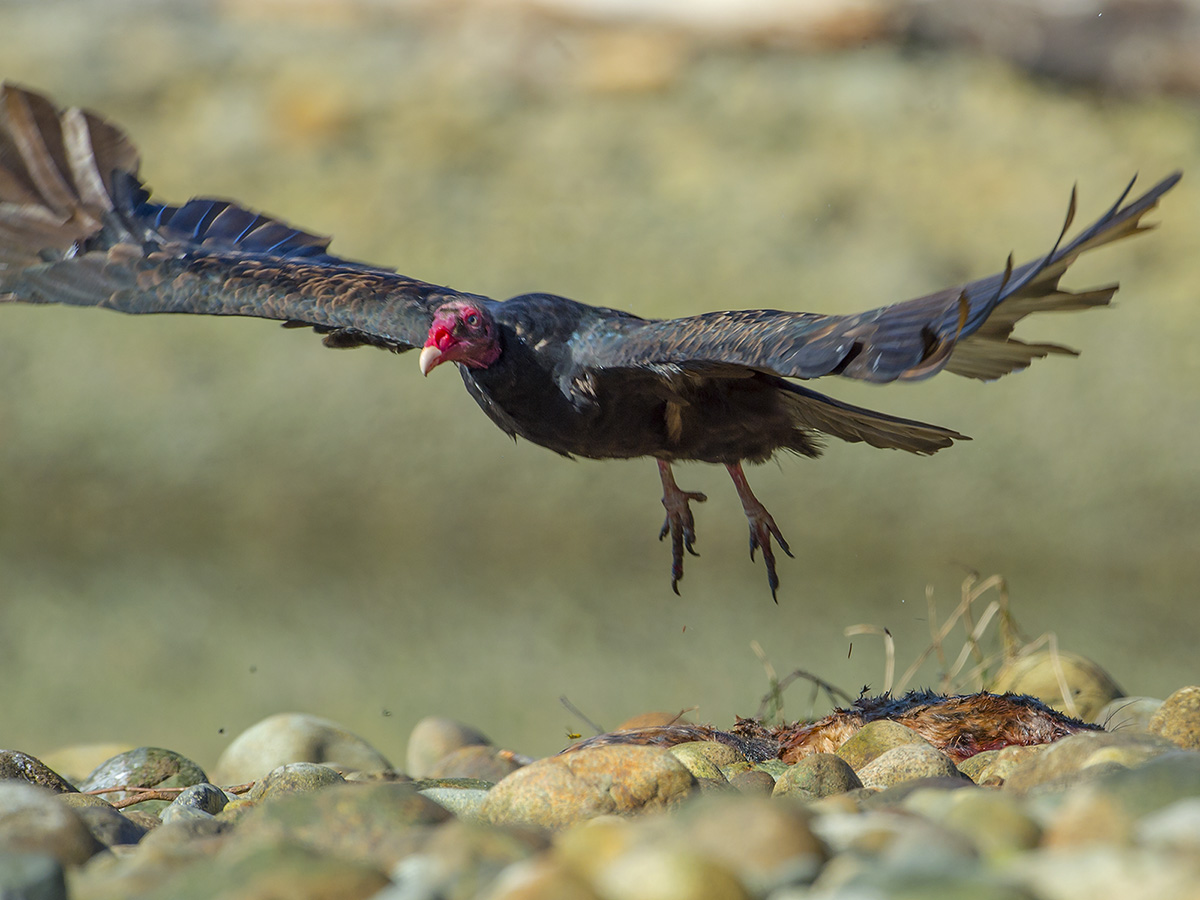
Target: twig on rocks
141	794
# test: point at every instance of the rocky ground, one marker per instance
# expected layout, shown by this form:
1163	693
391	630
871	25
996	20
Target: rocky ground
306	809
664	168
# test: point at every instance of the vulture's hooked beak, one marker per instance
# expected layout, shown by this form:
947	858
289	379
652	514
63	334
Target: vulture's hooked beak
430	357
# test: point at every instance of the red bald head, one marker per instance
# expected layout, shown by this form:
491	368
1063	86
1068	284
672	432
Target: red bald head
464	332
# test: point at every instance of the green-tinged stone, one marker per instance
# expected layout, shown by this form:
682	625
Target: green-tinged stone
18	766
754	782
148	767
720	754
699	762
816	776
874	739
908	762
991	768
294	778
774	767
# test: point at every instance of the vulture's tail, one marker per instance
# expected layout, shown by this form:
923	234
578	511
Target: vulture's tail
814	411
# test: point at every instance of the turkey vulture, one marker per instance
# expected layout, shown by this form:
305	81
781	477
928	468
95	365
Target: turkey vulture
77	227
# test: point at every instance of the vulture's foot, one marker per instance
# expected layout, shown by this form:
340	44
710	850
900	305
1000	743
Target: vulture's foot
679	522
762	526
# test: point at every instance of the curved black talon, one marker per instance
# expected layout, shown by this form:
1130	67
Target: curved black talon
762	527
679	522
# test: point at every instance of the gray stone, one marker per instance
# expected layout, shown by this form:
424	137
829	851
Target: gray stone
754	782
1084	756
476	761
465	803
175	813
1106	871
991	768
294	737
1106	809
874	739
891	833
721	755
649	873
1175	827
643	859
33	821
18	766
149	767
699	762
204	797
111	827
773	767
75	761
765	843
992	821
908	762
933	879
436	737
187	826
541	878
31	876
1152	785
815	776
461	860
294	778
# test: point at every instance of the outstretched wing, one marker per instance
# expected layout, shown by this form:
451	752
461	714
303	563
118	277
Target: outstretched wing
76	227
966	330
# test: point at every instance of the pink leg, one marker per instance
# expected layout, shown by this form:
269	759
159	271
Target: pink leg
762	526
679	524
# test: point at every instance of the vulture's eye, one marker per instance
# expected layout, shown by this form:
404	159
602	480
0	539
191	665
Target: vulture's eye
473	320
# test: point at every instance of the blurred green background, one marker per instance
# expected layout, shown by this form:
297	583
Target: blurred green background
203	522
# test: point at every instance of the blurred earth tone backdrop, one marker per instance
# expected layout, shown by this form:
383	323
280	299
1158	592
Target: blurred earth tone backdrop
206	521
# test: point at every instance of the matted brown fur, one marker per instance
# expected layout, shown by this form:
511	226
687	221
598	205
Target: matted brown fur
960	726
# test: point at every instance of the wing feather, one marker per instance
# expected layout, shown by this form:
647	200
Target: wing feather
77	227
966	330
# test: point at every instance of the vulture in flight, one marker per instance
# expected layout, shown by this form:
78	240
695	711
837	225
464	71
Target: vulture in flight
77	227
